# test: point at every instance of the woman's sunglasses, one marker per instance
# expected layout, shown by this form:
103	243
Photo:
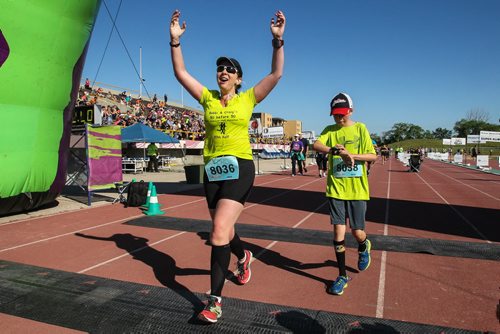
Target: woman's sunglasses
229	69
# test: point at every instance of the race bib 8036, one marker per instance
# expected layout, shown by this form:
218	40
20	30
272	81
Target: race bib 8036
222	168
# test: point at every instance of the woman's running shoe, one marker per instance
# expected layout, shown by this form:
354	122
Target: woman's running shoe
244	272
212	311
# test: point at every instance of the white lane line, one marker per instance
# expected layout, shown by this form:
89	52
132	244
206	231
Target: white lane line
90	228
155	243
473	172
28	219
65	234
168	238
129	253
383	261
465	184
272	181
89	208
456	211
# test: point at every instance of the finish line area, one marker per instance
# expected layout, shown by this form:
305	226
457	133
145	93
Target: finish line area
112	269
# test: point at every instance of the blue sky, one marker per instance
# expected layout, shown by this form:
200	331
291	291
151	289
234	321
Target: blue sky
425	62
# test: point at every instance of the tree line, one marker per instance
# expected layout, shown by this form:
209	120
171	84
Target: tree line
472	125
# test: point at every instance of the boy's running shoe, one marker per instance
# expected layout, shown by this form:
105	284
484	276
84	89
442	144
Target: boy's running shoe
212	311
244	273
339	285
364	258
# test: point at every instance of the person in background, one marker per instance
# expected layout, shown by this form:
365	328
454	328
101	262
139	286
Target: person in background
229	167
349	146
152	152
321	162
305	142
369	164
296	154
473	153
384	153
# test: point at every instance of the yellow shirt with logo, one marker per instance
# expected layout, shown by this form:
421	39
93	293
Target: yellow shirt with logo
152	149
227	127
356	139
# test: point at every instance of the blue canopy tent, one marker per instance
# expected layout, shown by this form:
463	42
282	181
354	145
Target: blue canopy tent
140	133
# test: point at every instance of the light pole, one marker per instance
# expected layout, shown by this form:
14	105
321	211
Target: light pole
140	72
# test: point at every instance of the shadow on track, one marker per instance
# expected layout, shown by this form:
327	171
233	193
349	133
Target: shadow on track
276	259
163	265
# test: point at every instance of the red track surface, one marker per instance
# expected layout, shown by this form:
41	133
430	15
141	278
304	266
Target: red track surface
441	202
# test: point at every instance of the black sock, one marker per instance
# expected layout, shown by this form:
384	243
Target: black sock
237	247
362	246
340	254
219	263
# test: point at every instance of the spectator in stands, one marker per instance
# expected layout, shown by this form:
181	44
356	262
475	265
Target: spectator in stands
87	83
227	147
349	146
187	124
165	98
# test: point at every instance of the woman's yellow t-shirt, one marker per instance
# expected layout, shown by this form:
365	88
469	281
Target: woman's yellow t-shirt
227	127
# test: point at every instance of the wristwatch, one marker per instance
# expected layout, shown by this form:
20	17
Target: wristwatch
278	43
334	151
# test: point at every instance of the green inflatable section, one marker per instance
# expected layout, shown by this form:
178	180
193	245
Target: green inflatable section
42	43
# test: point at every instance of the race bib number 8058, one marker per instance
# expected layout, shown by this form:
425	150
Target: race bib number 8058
340	169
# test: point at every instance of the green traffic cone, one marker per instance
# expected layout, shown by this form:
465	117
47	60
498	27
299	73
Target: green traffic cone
154	206
150	187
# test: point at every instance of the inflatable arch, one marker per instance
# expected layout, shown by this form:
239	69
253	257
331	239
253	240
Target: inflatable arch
42	51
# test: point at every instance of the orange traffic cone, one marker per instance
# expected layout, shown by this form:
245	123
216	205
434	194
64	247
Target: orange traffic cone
154	206
150	187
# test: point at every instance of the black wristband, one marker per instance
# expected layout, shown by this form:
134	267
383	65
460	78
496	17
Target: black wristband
277	43
334	151
175	45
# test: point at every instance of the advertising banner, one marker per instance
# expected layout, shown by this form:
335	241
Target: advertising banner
104	156
276	131
254	127
482	161
458	158
458	141
474	139
490	136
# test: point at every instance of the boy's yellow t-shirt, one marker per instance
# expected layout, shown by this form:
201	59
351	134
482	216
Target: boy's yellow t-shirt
226	128
356	139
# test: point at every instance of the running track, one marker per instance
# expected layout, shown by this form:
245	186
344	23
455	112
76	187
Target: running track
442	202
